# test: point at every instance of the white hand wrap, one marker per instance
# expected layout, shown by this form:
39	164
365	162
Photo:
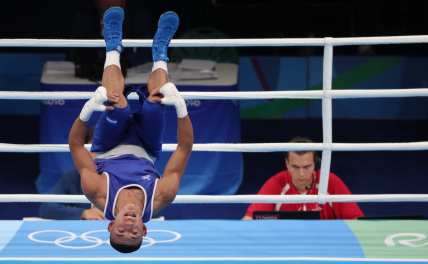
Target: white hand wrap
171	96
96	103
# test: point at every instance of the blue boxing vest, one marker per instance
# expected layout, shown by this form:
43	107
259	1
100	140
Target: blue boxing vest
128	171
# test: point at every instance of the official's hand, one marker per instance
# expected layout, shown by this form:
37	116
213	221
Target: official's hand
92	214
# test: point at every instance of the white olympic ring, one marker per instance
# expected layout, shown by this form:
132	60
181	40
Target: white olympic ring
68	237
413	240
57	102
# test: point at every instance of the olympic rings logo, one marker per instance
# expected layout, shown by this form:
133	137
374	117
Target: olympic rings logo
92	239
59	102
414	240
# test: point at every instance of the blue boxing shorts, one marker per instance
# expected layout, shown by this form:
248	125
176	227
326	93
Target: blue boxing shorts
143	127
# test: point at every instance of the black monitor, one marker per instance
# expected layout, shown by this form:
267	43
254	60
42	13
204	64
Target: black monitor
286	215
393	217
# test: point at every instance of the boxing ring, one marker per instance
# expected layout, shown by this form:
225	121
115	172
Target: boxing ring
230	241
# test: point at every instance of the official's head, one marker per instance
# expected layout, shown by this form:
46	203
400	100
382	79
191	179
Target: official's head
302	165
127	230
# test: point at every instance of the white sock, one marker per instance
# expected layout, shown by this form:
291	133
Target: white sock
112	58
160	65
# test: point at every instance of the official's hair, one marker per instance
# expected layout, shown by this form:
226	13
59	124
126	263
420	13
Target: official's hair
317	159
125	248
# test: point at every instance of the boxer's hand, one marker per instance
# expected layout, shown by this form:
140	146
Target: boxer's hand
172	97
96	103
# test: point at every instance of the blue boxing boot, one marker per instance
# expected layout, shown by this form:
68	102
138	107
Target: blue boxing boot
167	26
112	30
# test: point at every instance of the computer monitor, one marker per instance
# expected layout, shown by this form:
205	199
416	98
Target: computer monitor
286	215
393	217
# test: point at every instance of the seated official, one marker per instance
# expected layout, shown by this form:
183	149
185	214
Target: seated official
302	176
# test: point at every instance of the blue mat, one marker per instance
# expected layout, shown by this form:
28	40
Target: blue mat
189	241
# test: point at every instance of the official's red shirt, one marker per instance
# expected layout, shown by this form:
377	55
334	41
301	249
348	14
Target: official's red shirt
281	183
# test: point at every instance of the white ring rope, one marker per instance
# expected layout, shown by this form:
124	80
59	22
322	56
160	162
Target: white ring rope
339	94
240	147
265	42
326	95
193	199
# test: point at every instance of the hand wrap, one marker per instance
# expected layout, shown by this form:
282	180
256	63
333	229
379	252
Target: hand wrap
171	96
96	103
